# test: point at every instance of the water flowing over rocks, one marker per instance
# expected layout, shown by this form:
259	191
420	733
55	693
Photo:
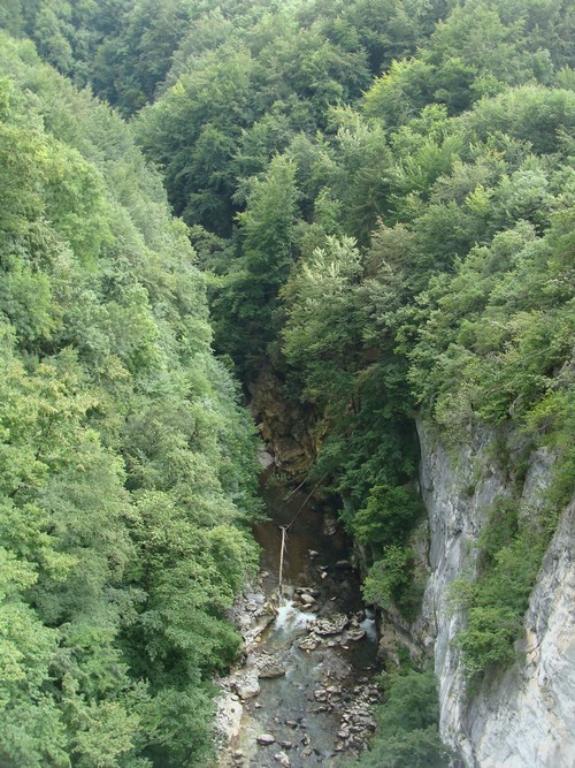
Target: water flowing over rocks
303	686
301	683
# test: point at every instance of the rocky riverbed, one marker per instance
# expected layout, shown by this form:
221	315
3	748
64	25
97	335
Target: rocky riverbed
303	693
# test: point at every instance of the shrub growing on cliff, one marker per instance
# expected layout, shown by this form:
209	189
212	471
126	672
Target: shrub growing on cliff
509	557
388	517
392	582
498	601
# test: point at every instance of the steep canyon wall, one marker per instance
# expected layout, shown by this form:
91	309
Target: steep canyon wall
524	717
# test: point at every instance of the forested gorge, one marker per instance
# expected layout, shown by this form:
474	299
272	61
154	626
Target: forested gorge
376	198
127	464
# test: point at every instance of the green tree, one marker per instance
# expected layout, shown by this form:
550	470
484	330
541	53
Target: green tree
407	735
250	291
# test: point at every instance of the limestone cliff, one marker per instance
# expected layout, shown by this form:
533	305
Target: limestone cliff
524	717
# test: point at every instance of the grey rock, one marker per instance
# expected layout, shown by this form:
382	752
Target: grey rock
271	671
247	687
332	626
307	599
309	643
524	717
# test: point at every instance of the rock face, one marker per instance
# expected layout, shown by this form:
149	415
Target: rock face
526	717
284	425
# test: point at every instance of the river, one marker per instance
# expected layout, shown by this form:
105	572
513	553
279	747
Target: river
311	703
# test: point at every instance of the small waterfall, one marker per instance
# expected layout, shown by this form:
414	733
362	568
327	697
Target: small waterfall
310	678
290	617
369	625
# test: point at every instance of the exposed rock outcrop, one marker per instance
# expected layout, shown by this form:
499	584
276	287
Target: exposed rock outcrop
525	717
284	425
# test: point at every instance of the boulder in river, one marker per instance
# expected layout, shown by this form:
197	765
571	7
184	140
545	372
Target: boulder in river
329	525
265	739
247	687
307	599
332	626
309	643
272	670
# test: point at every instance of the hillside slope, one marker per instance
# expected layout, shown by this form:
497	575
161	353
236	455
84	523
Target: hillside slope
127	466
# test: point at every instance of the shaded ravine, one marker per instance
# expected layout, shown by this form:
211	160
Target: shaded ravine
313	701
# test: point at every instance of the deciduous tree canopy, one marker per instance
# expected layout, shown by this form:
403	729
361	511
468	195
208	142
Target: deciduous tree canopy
125	462
381	197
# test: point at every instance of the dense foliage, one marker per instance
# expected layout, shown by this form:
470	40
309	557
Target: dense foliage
125	462
397	248
382	196
408	736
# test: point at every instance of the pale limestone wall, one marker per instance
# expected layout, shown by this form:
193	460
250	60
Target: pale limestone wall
526	717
